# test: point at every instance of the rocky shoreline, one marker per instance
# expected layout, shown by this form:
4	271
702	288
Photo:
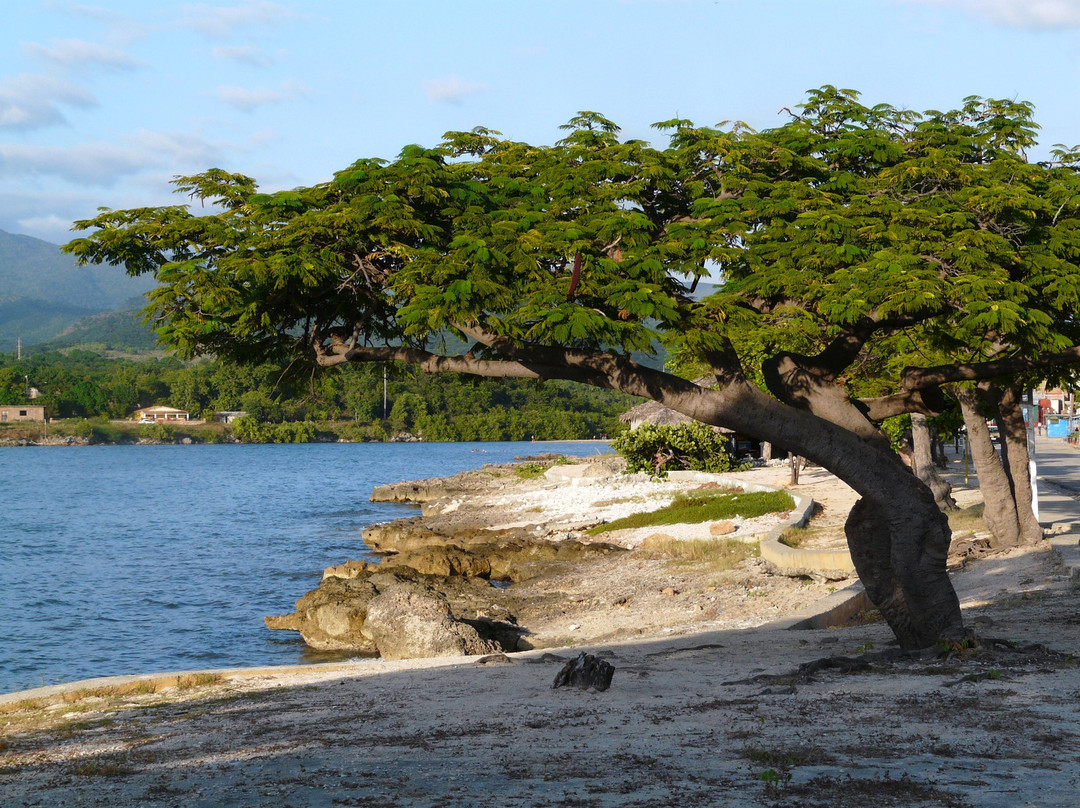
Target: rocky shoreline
500	561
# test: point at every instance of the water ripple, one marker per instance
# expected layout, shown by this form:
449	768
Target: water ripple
160	558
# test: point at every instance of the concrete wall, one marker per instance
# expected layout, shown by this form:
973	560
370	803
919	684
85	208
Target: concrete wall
21	412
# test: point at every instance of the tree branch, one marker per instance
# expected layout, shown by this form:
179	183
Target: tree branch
914	378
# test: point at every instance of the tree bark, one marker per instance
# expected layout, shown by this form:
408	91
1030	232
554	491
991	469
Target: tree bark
999	510
899	539
922	463
1014	450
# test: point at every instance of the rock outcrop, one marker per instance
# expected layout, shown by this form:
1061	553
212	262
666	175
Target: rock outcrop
404	624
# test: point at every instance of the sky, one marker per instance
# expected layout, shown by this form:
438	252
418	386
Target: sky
101	104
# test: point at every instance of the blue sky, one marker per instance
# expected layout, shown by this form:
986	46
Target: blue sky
102	103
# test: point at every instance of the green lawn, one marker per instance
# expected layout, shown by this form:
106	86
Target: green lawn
704	507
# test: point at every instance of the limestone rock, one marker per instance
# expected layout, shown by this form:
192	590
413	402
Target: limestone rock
721	528
350	569
405	624
330	618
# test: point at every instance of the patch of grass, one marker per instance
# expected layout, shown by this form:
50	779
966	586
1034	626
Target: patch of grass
703	507
967	519
531	471
865	618
719	553
786	757
886	790
793	536
194	680
103	767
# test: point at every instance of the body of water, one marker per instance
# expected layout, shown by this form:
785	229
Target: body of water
139	559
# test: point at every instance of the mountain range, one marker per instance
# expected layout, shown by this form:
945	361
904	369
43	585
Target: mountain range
44	293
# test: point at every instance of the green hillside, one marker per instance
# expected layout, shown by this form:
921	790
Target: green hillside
43	292
118	330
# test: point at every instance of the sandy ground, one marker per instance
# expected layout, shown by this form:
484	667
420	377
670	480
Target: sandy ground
714	716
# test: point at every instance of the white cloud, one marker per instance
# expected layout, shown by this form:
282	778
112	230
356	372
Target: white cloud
1038	15
30	101
222	21
101	164
452	90
248	100
177	147
49	224
95	13
79	53
245	54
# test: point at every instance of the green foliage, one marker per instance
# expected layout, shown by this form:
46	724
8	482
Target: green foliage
163	433
704	507
250	430
659	449
83	383
531	470
926	238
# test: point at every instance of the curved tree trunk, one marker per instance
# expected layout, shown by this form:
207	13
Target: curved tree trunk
999	509
922	463
898	537
1014	451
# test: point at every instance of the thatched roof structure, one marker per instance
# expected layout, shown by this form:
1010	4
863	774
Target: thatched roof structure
653	412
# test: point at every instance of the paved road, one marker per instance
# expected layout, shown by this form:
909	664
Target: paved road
1058	470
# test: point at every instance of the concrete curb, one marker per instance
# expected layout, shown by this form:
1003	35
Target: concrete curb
159	681
1066	546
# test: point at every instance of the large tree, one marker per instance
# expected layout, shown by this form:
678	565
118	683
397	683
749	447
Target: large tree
834	235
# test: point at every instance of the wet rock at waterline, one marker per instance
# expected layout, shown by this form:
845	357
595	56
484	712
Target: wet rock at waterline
337	616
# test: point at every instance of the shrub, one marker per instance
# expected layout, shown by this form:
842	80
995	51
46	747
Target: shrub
248	430
158	432
660	449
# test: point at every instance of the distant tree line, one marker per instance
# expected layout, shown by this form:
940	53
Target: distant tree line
84	384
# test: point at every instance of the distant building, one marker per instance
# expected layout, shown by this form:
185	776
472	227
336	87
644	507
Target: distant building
161	414
22	412
227	417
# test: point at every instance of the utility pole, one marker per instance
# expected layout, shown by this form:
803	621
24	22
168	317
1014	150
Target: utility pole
18	349
384	392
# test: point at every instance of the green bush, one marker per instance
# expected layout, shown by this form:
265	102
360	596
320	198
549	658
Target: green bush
162	433
248	430
660	449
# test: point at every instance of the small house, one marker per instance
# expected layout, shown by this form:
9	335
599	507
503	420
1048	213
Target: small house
21	412
159	414
228	416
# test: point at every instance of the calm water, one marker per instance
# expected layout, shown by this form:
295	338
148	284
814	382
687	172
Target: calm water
136	559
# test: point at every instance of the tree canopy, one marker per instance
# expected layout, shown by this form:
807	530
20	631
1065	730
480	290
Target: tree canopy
844	239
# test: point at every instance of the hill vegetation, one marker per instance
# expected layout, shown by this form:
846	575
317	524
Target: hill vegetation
43	292
349	403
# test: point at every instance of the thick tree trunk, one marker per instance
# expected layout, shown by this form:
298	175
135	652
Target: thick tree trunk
937	450
999	509
922	463
898	537
897	534
1014	450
